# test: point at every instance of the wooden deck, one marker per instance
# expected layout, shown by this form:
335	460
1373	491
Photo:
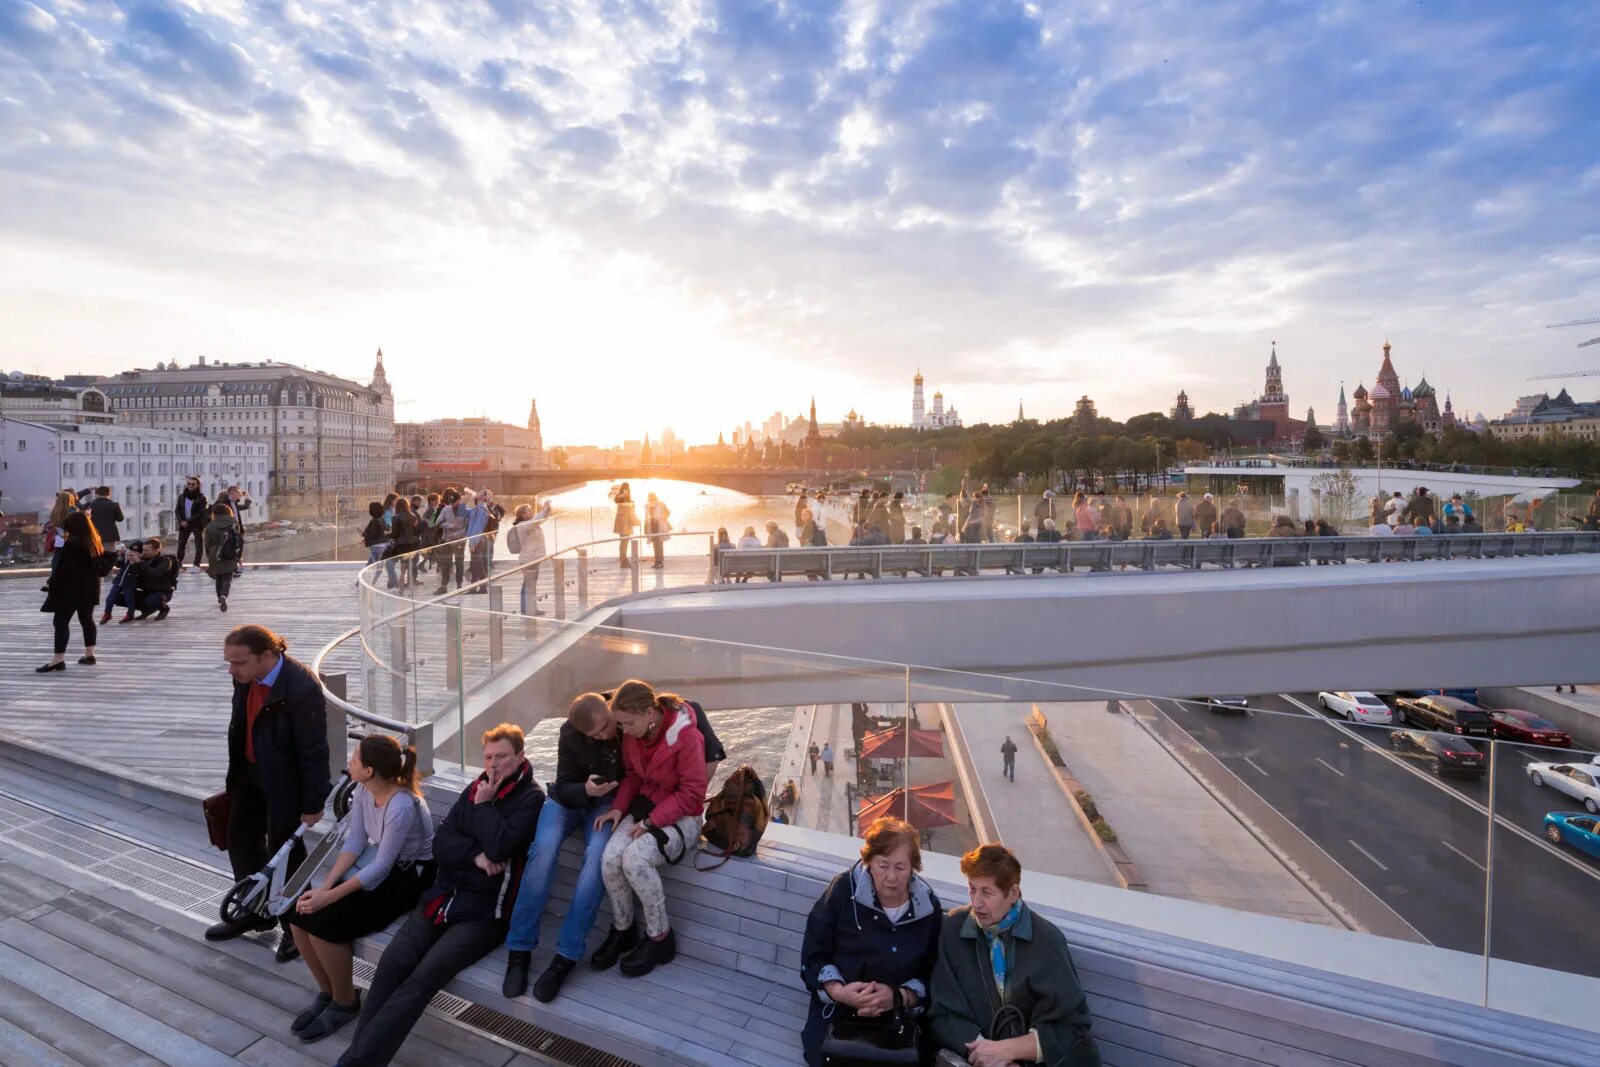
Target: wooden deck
156	705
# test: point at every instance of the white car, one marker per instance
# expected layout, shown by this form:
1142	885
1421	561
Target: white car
1357	707
1579	780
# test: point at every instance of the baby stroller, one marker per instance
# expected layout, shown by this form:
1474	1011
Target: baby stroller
271	892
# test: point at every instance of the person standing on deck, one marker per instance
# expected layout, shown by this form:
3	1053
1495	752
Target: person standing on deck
625	523
223	546
104	514
277	762
192	516
813	753
827	759
658	523
1008	759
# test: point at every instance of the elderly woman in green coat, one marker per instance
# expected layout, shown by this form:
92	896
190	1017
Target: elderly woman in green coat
1004	989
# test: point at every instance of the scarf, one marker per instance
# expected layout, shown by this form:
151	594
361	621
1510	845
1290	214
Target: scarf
996	936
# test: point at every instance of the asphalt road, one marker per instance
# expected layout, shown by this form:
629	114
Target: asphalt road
1421	848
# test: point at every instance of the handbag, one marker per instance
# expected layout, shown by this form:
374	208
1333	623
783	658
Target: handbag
856	1040
216	808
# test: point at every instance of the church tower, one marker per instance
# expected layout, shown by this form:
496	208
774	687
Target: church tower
813	443
1341	421
535	435
380	381
918	421
1273	393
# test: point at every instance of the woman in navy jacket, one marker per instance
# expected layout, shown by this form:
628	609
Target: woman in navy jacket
874	930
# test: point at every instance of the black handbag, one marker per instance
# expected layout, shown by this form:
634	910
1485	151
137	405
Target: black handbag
859	1041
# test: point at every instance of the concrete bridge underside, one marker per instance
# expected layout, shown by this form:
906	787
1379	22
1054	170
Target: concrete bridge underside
1073	637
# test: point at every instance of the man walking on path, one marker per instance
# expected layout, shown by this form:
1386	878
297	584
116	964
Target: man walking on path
104	514
827	759
812	752
277	762
1008	756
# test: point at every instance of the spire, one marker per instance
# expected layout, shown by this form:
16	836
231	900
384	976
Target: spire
1341	394
533	415
918	379
1273	362
1019	411
812	430
379	379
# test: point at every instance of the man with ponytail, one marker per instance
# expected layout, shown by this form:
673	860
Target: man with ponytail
478	856
277	761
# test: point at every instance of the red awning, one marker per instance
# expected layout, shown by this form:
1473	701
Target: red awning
930	807
891	744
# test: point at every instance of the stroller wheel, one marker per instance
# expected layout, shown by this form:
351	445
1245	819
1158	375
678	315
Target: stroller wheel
342	795
233	905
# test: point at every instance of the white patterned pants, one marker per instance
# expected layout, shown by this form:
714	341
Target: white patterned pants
628	867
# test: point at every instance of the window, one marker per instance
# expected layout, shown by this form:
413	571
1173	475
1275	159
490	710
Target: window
22	446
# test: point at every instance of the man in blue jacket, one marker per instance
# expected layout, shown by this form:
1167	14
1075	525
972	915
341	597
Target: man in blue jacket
479	851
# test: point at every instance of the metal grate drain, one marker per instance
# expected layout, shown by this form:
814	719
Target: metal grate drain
196	889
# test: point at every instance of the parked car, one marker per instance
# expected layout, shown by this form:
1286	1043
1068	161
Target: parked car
1450	714
1574	828
1578	780
1438	752
1357	706
1226	705
1514	724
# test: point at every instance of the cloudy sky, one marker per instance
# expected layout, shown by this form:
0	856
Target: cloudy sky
652	212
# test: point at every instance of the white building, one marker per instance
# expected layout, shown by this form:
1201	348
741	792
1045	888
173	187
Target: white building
940	418
331	439
145	468
39	399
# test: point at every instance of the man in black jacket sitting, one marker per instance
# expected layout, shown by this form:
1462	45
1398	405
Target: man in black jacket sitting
479	850
277	761
588	769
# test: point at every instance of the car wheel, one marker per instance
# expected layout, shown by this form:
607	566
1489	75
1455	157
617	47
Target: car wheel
1553	832
1324	702
1435	766
1594	809
1538	779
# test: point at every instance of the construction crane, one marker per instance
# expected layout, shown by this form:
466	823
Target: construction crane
1581	344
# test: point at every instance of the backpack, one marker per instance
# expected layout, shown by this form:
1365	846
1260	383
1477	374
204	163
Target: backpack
232	546
735	818
819	537
513	541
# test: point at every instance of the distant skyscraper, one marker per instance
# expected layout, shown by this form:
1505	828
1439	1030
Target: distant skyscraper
918	422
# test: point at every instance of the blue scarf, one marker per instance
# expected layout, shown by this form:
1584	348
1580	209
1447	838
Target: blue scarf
997	945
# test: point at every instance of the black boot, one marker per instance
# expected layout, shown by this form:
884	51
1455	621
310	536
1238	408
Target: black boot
611	949
548	987
649	955
516	982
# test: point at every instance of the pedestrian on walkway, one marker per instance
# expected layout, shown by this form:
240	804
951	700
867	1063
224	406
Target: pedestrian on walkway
74	589
223	547
277	762
813	752
658	523
375	535
478	857
238	502
1008	759
452	544
526	539
478	519
1205	515
1184	515
625	523
104	514
192	516
827	759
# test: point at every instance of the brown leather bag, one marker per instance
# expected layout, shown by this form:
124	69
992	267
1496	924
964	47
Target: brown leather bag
216	808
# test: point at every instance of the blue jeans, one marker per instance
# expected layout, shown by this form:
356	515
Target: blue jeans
555	823
135	600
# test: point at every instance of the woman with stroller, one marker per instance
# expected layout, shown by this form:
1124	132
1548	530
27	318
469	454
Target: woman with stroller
385	862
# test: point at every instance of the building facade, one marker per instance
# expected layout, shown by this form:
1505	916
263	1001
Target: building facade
939	418
39	399
1389	404
1273	406
145	468
331	439
467	446
1182	411
1550	414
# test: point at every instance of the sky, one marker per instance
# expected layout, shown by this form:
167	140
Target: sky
668	212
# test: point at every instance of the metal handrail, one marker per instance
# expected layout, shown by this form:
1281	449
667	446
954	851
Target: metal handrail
421	734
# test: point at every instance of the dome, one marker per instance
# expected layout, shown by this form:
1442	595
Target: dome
1361	392
1423	390
1406	393
1379	392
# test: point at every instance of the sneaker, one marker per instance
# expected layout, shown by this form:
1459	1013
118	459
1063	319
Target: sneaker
548	987
611	949
650	954
162	614
105	617
226	931
316	1008
333	1017
516	980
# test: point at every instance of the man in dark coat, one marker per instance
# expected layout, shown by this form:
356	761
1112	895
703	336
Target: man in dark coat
479	849
105	513
151	582
1008	759
277	761
192	516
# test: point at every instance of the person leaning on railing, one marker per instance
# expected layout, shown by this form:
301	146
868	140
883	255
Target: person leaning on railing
870	944
1004	989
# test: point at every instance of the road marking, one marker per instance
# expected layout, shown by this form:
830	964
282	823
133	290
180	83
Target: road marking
1330	766
1377	862
1464	856
1256	765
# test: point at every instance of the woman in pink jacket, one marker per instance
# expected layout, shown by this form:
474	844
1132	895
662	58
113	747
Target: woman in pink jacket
658	812
1086	517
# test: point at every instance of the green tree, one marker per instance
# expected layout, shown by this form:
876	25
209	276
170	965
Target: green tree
1313	440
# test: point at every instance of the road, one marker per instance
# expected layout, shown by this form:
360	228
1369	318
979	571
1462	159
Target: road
1415	840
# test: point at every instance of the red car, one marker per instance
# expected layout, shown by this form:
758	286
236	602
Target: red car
1512	724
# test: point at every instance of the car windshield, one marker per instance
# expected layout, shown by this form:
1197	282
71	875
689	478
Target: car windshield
1468	713
1364	698
1536	723
1455	744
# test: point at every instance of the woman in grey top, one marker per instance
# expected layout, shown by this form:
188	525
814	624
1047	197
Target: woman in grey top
385	862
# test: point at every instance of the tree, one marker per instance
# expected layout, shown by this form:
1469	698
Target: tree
1337	493
558	457
1361	451
1312	441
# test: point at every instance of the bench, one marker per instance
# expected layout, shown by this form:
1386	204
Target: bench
733	996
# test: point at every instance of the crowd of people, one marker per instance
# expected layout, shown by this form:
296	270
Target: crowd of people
632	771
83	539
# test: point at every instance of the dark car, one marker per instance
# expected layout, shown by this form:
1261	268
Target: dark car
1513	724
1450	714
1438	752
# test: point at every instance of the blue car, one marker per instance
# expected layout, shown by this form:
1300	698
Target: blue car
1577	828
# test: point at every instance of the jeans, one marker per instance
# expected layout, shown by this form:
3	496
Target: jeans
555	824
448	554
1185	531
183	542
135	600
115	595
224	583
63	621
1009	769
530	590
478	569
418	962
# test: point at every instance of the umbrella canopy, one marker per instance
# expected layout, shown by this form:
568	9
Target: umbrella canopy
931	806
891	743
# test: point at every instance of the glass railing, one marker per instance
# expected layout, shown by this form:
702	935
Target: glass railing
1399	835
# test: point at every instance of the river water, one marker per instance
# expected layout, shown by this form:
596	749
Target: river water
757	736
